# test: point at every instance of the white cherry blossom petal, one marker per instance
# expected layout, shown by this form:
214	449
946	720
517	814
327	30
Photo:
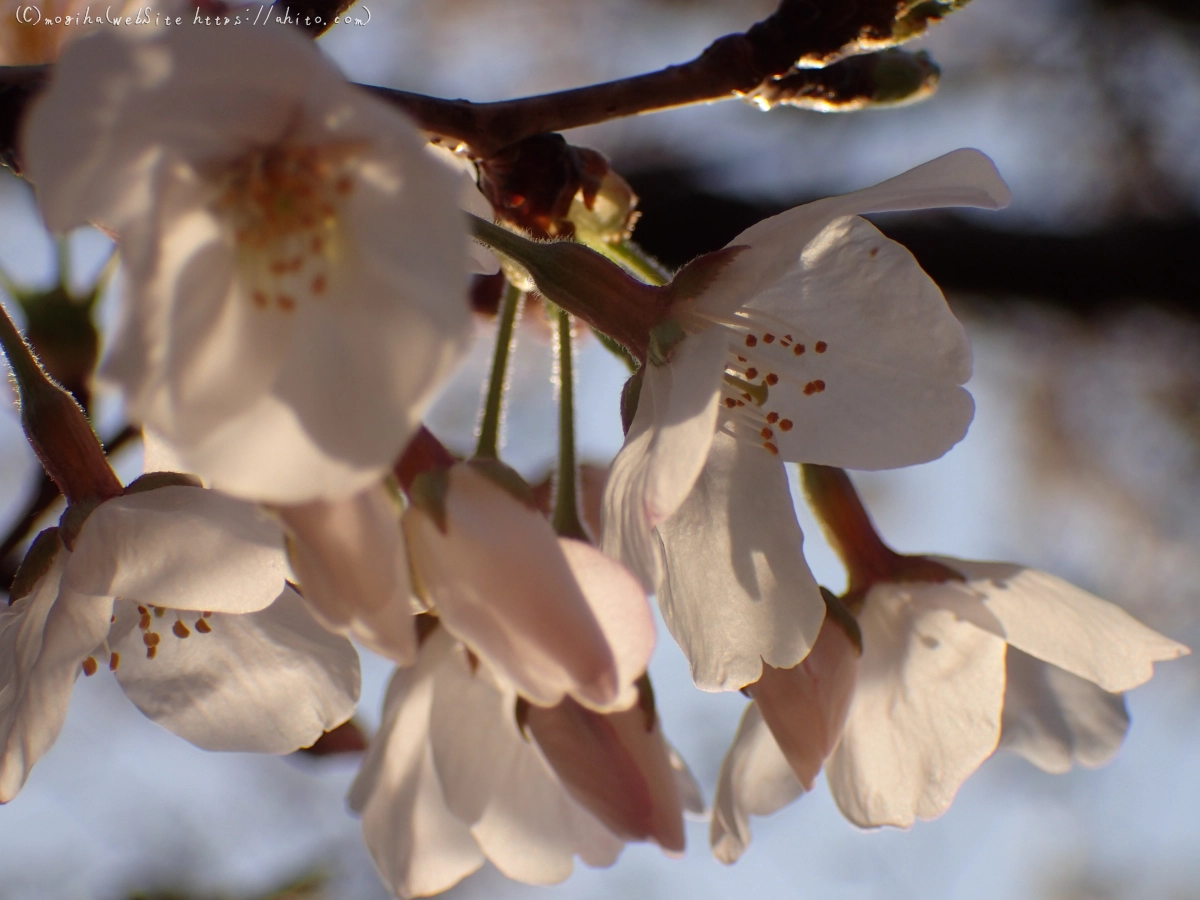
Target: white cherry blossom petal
25	733
960	178
737	591
870	376
288	244
499	581
180	547
755	780
664	452
1067	627
926	710
493	778
49	633
270	681
419	846
1055	719
353	570
158	455
622	610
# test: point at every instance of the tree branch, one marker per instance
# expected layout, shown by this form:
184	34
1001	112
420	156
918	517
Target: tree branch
806	32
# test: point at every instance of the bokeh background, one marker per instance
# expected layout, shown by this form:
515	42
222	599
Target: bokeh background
1083	304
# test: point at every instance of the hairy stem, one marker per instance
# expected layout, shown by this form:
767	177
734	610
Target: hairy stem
493	407
566	501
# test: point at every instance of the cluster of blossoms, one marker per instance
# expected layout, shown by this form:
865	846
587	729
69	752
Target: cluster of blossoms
294	295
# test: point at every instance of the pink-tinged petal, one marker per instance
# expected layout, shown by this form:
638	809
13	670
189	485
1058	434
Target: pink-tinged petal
180	547
1055	719
353	570
45	637
419	846
499	581
1067	627
960	178
737	591
806	706
617	765
664	451
926	710
756	780
527	825
870	376
271	681
621	608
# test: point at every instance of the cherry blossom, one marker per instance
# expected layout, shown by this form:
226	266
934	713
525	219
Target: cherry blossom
294	262
552	616
820	340
453	779
945	667
180	592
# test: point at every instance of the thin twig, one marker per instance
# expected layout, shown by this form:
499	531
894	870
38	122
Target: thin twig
814	32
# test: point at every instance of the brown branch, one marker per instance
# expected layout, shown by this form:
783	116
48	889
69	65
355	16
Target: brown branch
813	32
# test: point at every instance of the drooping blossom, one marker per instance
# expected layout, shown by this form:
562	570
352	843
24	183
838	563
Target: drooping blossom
931	691
958	658
818	340
294	262
552	616
180	592
453	778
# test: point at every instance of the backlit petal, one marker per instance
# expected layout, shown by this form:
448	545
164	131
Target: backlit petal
755	780
926	711
180	547
1055	719
806	706
664	451
499	581
270	681
419	846
1067	627
45	637
352	567
495	780
737	590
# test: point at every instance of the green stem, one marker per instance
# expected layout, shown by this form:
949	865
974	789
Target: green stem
493	408
566	504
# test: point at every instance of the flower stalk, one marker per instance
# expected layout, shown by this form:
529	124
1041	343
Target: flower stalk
565	518
56	426
493	408
848	527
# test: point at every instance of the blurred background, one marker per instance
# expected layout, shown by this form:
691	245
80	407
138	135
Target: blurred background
1083	304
